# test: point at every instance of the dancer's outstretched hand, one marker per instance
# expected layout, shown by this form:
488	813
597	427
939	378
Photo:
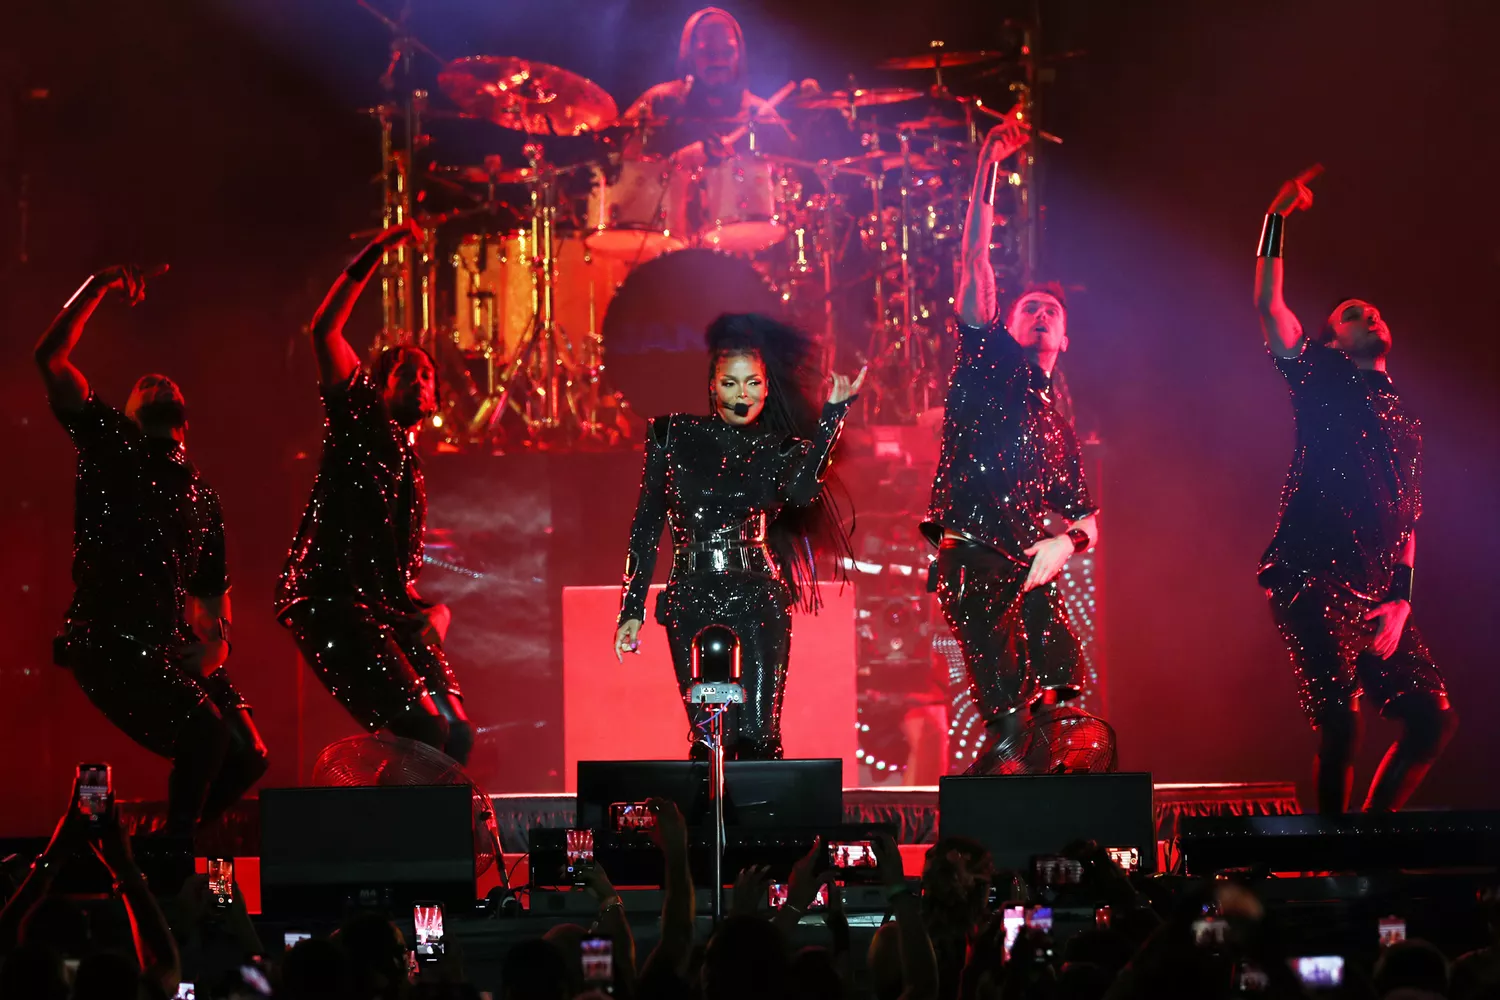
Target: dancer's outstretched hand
1048	557
845	388
628	639
1390	619
404	232
129	280
1295	193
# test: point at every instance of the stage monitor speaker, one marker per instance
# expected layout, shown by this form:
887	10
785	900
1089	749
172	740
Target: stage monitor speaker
758	794
1021	816
167	862
327	850
1355	842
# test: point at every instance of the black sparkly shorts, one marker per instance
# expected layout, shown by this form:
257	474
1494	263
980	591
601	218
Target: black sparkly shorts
1323	624
377	669
141	688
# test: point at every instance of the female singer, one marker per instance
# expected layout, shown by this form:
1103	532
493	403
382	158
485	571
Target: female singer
743	491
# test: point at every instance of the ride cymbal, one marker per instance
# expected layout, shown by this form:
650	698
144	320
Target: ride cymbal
527	96
858	98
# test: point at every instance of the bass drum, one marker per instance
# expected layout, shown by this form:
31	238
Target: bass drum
653	331
495	293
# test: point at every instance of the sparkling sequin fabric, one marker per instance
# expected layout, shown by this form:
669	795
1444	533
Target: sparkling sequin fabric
1015	645
708	481
147	531
361	537
347	592
1352	497
1008	456
1324	627
1353	493
1008	459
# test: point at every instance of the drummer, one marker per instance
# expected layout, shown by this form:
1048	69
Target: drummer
688	117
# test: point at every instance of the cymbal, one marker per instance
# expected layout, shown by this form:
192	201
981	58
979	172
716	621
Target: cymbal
859	98
527	96
481	175
934	60
883	161
932	122
398	112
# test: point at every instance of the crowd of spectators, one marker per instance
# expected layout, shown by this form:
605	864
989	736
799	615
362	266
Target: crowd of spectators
944	938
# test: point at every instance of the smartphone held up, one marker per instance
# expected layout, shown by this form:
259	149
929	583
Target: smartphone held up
221	882
598	963
427	922
94	792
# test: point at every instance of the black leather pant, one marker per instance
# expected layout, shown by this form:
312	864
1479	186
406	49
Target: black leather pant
1017	646
201	724
755	608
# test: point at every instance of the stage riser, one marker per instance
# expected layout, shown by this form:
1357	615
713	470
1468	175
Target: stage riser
913	812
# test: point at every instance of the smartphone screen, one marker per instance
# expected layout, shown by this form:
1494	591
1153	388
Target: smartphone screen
186	991
628	816
598	961
1054	870
427	919
1102	917
776	897
851	853
221	882
1039	918
290	938
95	789
1320	971
1209	930
1128	858
1392	931
1014	918
580	851
255	978
1251	979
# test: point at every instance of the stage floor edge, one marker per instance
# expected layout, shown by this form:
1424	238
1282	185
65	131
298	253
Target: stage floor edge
912	810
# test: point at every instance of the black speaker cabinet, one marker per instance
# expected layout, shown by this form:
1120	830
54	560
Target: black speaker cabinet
1021	816
327	850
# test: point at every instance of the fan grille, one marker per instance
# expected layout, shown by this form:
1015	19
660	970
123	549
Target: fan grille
1062	740
383	760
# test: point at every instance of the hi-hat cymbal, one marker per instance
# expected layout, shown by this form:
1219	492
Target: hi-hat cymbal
931	123
482	175
939	58
882	162
398	112
527	96
858	98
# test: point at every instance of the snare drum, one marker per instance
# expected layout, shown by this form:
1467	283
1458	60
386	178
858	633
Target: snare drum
642	214
739	205
495	294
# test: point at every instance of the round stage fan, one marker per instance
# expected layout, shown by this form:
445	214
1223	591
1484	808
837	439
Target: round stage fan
384	760
1059	740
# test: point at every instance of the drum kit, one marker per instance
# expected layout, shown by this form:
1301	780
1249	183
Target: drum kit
565	291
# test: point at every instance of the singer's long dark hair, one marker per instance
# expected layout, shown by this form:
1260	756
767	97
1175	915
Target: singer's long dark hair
801	536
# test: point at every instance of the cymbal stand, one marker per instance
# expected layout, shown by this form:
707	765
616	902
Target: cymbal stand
407	274
537	354
1028	205
396	275
908	291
